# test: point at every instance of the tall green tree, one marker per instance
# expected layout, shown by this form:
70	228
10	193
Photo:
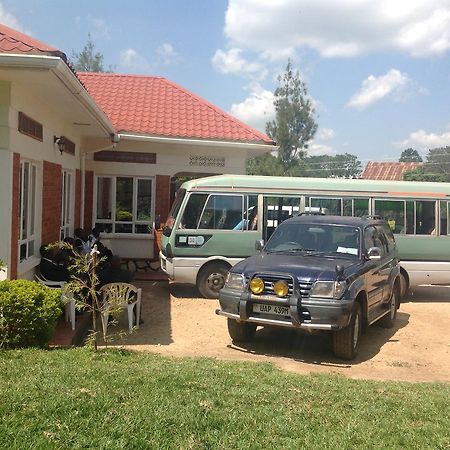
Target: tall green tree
436	168
88	60
343	165
410	155
294	125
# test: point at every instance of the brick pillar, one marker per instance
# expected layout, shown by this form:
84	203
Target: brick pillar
76	216
162	192
15	225
88	199
51	202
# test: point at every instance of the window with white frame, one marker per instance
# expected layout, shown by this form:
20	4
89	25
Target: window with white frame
124	204
66	204
27	203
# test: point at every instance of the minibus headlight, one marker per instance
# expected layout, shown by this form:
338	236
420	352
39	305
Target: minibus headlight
329	289
257	286
234	281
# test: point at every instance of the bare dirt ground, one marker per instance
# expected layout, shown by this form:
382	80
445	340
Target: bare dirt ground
416	349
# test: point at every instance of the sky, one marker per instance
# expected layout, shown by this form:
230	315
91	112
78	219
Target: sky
377	71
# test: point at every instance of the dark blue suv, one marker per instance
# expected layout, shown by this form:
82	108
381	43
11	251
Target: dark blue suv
317	273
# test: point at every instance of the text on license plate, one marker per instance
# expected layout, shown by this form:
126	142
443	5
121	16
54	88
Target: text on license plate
271	309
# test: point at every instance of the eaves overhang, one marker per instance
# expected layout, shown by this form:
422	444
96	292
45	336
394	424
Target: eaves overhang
66	76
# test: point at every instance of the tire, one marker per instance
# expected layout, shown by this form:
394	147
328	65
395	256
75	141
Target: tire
211	279
346	341
404	285
241	331
388	320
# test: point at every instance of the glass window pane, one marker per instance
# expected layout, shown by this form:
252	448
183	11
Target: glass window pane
360	207
23	252
143	228
393	212
192	211
251	213
347	206
104	227
123	228
104	198
33	199
124	200
25	193
222	212
426	217
144	200
444	218
30	248
409	217
328	206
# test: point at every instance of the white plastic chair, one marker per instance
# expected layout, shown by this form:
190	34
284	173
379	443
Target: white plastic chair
67	297
122	296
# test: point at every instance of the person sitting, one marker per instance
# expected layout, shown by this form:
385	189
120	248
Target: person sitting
81	241
112	272
50	266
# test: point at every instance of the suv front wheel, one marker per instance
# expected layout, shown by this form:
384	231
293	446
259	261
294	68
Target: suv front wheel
346	341
241	331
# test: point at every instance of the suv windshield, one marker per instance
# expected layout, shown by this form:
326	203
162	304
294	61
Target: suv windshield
317	238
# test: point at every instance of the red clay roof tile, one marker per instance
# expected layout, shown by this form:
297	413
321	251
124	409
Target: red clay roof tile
13	41
159	107
387	170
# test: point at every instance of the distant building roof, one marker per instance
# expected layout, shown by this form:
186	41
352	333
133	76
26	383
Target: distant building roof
158	107
15	42
387	170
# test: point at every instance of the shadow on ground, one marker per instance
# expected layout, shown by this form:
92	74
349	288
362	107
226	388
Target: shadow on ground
428	294
317	348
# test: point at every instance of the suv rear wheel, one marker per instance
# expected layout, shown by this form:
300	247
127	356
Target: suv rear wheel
346	341
241	331
388	320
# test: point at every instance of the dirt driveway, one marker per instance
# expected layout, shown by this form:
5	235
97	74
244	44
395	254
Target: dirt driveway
416	349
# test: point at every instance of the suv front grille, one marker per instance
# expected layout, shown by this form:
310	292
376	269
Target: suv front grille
304	286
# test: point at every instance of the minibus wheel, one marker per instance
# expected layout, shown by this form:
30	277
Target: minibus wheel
211	279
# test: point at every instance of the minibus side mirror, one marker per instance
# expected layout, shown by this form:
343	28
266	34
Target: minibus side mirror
259	244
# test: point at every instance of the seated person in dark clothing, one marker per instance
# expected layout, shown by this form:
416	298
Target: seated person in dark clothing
50	267
81	241
113	273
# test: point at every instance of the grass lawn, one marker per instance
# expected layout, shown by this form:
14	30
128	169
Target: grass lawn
116	399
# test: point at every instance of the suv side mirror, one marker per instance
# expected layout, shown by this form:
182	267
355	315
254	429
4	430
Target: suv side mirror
259	244
374	253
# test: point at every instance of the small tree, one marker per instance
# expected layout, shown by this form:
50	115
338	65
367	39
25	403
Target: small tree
410	155
294	125
88	60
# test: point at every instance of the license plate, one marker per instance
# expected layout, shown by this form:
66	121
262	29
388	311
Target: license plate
271	309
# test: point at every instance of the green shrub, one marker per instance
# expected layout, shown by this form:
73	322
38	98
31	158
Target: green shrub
28	313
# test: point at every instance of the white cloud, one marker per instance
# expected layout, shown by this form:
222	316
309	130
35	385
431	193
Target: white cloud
167	53
422	140
131	60
232	62
316	149
99	27
343	28
325	134
10	20
257	109
374	89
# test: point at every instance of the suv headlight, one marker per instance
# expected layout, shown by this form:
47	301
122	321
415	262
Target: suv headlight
329	289
234	281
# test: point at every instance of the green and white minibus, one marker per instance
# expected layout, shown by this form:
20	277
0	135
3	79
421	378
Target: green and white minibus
215	221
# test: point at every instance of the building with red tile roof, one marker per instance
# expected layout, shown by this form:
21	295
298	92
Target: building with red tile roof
88	149
158	107
387	170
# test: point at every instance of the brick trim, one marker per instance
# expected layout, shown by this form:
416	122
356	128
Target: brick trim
88	199
162	200
51	201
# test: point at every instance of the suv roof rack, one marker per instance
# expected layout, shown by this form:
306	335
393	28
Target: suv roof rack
312	213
